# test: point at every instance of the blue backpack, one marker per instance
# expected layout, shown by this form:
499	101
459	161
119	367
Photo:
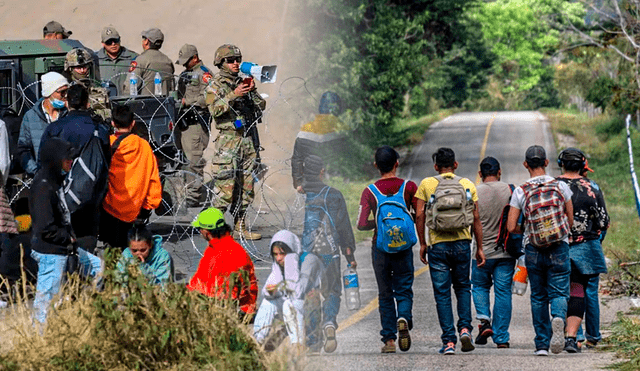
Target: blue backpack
396	230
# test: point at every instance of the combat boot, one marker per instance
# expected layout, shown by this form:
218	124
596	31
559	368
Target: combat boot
240	232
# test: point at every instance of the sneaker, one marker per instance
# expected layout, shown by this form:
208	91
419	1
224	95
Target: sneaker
557	339
330	342
389	347
404	339
571	345
448	348
501	345
484	332
465	339
541	352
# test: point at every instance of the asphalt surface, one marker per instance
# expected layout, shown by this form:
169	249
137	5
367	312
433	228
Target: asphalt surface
509	134
358	337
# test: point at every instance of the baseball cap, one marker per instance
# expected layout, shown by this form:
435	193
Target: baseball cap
186	52
210	219
489	166
535	152
55	27
154	35
110	32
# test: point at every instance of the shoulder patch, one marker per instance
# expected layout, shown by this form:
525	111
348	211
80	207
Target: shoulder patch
206	77
205	69
133	66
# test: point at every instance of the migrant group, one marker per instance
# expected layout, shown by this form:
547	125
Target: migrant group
470	237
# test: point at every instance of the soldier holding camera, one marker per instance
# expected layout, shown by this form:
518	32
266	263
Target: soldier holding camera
194	117
233	103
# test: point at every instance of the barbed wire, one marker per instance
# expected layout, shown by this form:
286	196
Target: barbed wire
270	208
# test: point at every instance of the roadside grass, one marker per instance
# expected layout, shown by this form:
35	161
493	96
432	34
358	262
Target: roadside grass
135	326
625	339
604	142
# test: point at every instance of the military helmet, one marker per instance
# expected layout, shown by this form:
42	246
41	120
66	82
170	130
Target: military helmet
226	50
77	57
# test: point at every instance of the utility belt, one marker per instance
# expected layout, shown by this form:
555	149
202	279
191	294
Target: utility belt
194	116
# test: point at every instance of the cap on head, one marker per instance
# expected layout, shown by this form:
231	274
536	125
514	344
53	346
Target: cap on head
186	52
209	219
155	36
571	154
77	57
109	33
225	51
535	153
55	27
52	81
489	166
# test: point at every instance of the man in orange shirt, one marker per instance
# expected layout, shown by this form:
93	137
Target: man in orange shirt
225	271
134	182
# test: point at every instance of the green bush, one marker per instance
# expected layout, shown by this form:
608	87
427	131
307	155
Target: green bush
135	326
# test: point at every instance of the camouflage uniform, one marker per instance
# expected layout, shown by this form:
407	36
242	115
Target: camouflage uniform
196	123
98	95
235	156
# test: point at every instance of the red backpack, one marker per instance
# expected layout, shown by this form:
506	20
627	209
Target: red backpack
545	220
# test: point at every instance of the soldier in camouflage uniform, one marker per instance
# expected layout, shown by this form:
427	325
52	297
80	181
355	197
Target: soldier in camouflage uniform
194	117
78	64
233	104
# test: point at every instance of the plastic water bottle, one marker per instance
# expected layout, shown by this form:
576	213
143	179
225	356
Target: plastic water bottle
133	84
351	288
157	82
520	277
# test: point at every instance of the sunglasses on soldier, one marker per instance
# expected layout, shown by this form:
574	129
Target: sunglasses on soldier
112	41
232	60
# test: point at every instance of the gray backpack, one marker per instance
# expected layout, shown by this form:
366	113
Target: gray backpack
450	207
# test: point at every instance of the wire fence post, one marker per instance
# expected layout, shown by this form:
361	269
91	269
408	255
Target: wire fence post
634	178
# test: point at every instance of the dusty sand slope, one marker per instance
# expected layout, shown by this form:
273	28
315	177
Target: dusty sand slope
259	28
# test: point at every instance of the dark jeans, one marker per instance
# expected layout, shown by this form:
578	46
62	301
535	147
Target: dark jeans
549	272
331	288
394	275
449	263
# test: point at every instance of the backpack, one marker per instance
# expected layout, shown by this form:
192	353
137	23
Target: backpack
450	207
88	178
321	236
511	243
396	230
545	220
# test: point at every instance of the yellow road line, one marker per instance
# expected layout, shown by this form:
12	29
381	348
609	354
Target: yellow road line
483	149
373	304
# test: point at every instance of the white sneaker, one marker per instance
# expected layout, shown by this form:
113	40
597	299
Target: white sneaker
557	339
542	352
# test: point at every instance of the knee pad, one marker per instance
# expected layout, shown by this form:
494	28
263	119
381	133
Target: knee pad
576	307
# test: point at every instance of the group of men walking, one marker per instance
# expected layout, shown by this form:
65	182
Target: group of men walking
563	221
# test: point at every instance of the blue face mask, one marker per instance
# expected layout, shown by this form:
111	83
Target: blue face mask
56	103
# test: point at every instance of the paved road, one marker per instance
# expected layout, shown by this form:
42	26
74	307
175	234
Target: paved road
509	134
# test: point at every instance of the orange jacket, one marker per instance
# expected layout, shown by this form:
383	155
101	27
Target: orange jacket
134	182
221	259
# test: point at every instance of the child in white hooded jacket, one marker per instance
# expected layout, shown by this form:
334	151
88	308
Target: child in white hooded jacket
284	290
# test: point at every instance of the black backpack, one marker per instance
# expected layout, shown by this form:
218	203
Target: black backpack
86	183
510	243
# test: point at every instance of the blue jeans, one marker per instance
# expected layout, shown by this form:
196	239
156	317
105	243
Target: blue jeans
51	271
549	272
592	313
499	273
449	263
394	275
